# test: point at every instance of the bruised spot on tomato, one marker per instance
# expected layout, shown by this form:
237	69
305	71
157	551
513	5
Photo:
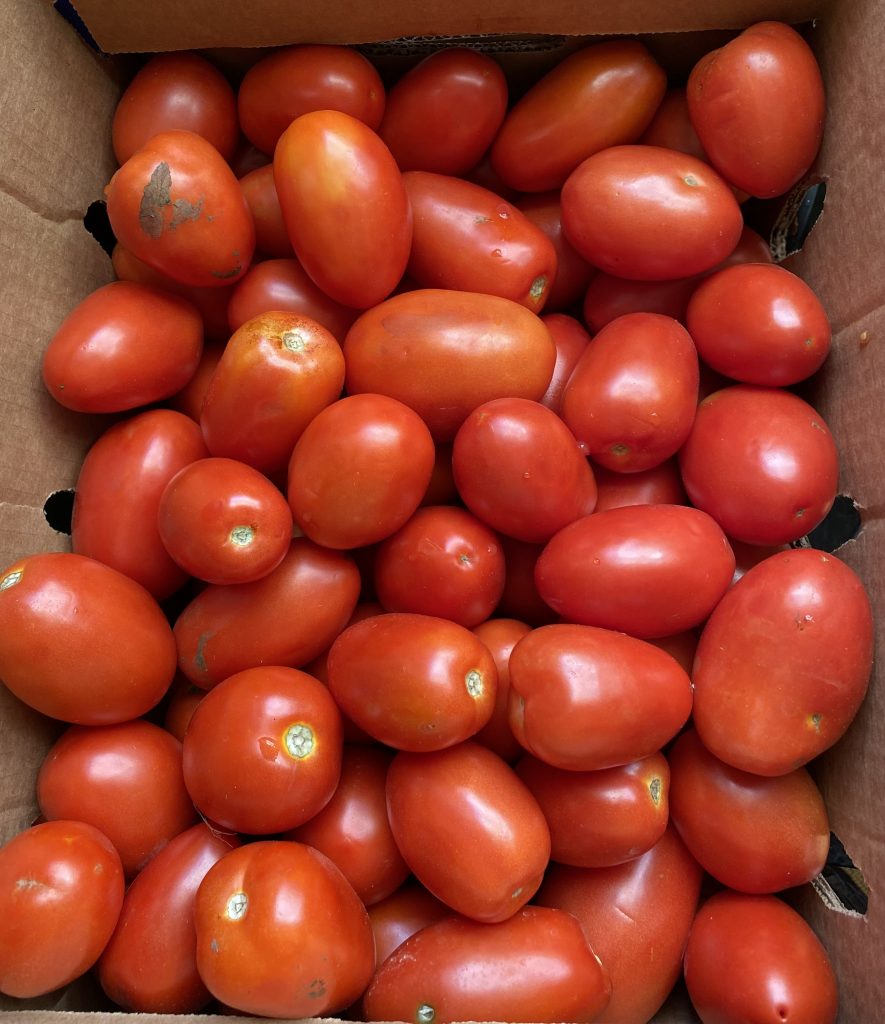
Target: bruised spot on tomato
654	790
242	536
184	210
236	906
11	579
299	741
317	988
199	654
153	200
475	683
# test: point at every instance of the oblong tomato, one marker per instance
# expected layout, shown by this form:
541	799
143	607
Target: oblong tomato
608	297
271	236
501	636
573	272
660	485
403	913
570	339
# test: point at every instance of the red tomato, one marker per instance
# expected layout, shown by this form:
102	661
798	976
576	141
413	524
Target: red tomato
748	555
681	646
660	485
521	599
671	127
758	107
573	272
536	966
469	829
566	679
751	248
609	297
783	662
414	682
762	462
176	205
82	642
603	95
754	958
189	401
501	636
176	91
443	353
118	494
403	913
359	471
181	707
271	236
123	346
442	490
61	889
156	928
650	570
570	340
344	205
649	214
281	933
443	562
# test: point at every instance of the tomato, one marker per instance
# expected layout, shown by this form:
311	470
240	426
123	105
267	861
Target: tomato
536	966
501	636
443	353
681	646
352	830
156	929
671	127
762	462
467	238
660	485
758	107
118	493
443	114
748	555
61	889
276	373
189	401
271	236
609	297
273	904
650	570
570	340
649	214
332	171
123	346
176	91
783	663
573	272
751	248
631	398
603	95
759	324
443	562
442	490
565	679
224	522
176	205
298	79
519	469
521	599
359	471
637	917
755	958
82	642
469	829
400	915
604	817
286	618
414	682
181	707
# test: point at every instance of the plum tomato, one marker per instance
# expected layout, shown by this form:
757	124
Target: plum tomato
608	297
501	636
271	236
403	913
521	599
660	485
570	339
573	272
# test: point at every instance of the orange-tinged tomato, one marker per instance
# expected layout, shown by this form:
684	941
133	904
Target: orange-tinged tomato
271	236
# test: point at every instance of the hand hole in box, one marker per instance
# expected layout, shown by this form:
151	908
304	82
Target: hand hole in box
841	884
58	509
840	525
98	225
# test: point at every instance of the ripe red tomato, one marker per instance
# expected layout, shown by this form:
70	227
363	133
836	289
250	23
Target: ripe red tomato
573	272
61	889
660	485
570	340
441	490
189	401
271	236
180	709
521	599
671	127
501	636
403	913
609	297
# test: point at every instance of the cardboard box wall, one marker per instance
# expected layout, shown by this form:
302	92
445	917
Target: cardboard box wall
56	102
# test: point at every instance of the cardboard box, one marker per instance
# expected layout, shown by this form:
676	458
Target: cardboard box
57	98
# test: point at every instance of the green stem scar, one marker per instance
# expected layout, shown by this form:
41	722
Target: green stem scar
299	741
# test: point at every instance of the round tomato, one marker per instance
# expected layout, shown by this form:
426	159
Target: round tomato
501	636
403	913
271	236
660	485
570	340
573	272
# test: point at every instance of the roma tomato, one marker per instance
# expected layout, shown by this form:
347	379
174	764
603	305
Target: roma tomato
501	636
82	642
442	490
573	272
469	829
660	485
189	401
671	127
61	890
403	913
176	205
273	904
609	297
271	236
123	346
570	340
180	709
331	170
521	599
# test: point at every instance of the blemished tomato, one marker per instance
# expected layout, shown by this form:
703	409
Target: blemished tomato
573	272
269	904
469	239
80	641
123	346
755	958
359	471
344	205
608	297
762	462
631	399
271	236
61	890
118	493
636	916
758	107
565	679
414	682
443	353
444	562
649	214
521	599
601	818
176	91
660	485
570	339
603	95
469	829
156	928
352	830
299	79
649	570
276	373
286	618
501	636
783	663
536	966
403	913
176	205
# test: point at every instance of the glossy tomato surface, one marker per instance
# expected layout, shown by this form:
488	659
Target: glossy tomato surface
501	635
660	485
403	913
573	272
271	236
570	339
608	297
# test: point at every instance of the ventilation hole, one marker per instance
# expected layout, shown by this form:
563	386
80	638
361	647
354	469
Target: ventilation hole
58	509
66	9
841	524
841	884
798	214
97	224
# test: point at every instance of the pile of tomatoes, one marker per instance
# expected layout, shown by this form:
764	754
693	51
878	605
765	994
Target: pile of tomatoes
472	673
